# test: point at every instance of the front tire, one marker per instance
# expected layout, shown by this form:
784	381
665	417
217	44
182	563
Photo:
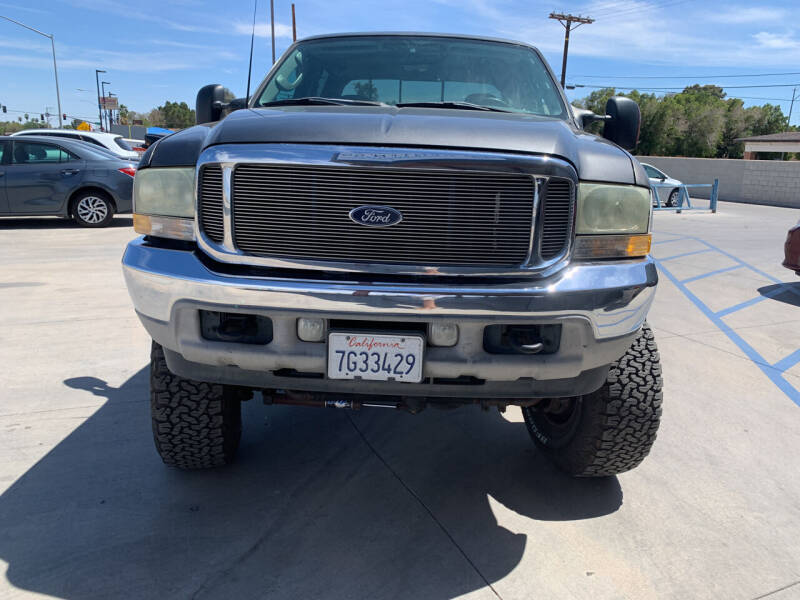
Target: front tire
196	425
92	209
611	430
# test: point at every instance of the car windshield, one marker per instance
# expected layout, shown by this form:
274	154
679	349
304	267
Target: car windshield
91	152
120	141
416	69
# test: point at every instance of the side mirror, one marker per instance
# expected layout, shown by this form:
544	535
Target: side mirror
622	122
208	107
215	101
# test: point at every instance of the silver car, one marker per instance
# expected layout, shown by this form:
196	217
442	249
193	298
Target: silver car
669	196
68	178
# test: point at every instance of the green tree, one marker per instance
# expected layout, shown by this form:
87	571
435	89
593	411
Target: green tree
699	121
366	90
176	115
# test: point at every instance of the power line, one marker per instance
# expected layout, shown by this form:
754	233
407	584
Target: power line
678	89
682	76
613	13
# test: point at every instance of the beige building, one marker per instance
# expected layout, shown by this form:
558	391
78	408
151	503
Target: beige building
787	141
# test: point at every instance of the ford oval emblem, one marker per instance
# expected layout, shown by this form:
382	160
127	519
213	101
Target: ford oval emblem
375	216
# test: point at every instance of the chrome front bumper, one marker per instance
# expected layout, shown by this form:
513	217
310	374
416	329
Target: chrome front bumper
601	306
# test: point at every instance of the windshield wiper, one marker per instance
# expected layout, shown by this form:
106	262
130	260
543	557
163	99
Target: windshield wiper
460	105
317	100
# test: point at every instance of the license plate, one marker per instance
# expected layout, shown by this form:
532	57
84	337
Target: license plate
375	357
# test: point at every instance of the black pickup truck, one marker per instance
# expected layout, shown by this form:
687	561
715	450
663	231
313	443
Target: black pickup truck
400	220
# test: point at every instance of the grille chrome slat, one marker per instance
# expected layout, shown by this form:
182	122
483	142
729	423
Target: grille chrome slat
451	217
465	218
210	204
556	218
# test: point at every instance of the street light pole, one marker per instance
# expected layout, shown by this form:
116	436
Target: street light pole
55	67
99	109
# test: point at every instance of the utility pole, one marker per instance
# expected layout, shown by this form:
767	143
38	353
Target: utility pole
103	85
294	25
111	112
55	67
791	106
99	108
567	21
272	24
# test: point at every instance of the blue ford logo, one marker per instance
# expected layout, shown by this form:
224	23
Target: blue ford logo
375	216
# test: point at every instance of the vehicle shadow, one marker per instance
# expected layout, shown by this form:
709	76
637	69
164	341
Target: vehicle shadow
320	504
788	293
56	222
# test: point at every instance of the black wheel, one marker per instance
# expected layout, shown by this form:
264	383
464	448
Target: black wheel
196	425
92	209
609	431
674	195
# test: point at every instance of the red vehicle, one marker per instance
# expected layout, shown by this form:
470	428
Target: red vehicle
792	249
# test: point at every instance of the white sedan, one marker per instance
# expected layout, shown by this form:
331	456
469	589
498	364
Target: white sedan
669	196
110	141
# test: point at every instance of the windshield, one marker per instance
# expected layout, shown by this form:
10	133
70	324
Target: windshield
120	141
417	69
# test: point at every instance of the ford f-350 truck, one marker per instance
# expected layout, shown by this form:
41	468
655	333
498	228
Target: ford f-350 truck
400	220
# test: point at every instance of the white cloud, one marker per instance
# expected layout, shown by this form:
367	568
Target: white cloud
748	15
25	8
263	29
649	33
777	41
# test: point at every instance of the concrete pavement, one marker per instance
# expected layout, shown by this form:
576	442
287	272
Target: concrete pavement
377	504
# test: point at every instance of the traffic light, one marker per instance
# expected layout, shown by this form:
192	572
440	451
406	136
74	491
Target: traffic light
64	116
5	108
41	117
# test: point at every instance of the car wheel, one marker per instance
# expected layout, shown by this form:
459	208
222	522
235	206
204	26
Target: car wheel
610	430
674	196
93	209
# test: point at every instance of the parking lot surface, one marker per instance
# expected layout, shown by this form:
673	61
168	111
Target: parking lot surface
377	504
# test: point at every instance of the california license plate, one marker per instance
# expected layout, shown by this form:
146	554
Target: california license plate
375	357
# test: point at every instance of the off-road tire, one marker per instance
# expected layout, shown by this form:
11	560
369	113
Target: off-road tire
196	425
611	430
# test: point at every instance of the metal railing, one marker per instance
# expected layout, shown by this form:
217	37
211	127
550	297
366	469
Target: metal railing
684	200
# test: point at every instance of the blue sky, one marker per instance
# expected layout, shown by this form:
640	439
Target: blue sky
165	50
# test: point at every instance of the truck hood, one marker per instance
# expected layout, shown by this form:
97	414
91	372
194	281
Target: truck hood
594	158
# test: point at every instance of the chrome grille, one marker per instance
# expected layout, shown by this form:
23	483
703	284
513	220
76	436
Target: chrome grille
556	218
450	217
210	204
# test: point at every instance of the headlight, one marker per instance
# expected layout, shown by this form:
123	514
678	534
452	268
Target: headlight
612	221
163	202
617	209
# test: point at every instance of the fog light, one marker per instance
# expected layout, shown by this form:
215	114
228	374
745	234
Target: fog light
311	330
443	334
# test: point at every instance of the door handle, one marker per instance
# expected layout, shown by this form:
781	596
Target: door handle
69	171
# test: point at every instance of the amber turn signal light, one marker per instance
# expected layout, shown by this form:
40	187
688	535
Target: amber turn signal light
611	246
175	228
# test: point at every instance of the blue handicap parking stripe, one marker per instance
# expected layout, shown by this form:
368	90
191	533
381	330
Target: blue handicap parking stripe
787	362
773	372
711	273
740	306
